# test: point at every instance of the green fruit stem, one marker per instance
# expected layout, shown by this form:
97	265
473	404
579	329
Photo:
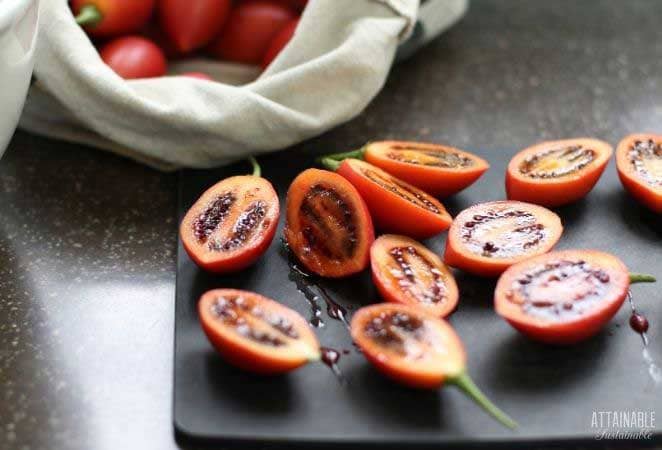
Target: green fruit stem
89	15
357	154
257	170
641	278
329	163
467	385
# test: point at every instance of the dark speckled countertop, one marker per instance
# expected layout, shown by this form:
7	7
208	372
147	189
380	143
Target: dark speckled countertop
87	240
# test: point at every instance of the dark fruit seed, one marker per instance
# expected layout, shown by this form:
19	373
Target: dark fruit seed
442	158
400	190
590	284
489	247
246	224
283	325
576	156
259	336
602	276
380	329
434	293
533	232
228	310
311	239
319	208
205	224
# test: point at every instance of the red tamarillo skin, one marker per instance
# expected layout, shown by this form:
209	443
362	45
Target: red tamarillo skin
395	205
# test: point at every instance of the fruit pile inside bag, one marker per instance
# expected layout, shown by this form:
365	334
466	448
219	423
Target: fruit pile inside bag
138	38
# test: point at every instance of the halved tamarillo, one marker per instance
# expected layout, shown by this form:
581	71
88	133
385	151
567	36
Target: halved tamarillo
256	333
563	297
395	205
232	224
487	238
406	272
416	349
439	170
328	228
639	164
555	173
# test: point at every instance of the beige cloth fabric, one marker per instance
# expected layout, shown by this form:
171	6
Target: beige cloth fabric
336	63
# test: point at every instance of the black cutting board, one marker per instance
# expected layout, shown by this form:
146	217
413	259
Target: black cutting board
552	392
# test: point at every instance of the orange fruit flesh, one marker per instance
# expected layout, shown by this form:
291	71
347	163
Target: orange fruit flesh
562	297
487	238
404	271
557	172
408	345
437	169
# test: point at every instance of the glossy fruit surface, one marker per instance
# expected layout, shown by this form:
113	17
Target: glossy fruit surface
557	172
232	224
328	228
134	57
192	24
395	205
404	271
639	164
251	27
111	18
562	297
255	333
279	42
439	170
408	345
487	238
